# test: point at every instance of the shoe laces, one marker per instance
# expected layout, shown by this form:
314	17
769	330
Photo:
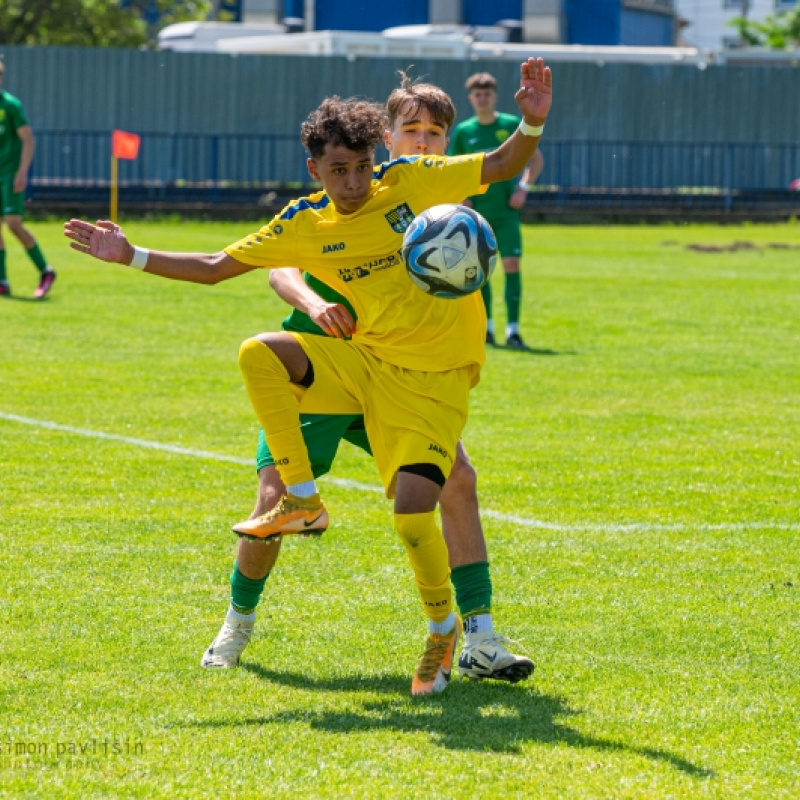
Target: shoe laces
283	506
231	633
435	650
498	640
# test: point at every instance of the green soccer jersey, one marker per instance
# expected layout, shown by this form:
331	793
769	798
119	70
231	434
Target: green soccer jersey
12	118
299	322
472	137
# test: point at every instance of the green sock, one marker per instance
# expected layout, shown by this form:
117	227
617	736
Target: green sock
35	255
245	592
486	294
3	277
513	295
473	588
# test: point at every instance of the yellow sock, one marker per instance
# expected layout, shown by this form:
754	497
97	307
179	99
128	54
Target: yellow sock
427	553
267	382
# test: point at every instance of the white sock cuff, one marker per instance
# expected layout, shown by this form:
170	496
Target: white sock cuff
305	489
441	628
237	616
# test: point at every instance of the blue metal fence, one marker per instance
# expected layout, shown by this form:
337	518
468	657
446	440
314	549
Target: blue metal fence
235	168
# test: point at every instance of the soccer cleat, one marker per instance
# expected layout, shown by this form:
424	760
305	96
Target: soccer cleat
489	337
45	284
436	663
231	640
489	658
302	515
514	342
5	289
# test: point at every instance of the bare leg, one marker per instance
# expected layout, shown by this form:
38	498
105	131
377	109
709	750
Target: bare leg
511	265
14	222
256	559
461	522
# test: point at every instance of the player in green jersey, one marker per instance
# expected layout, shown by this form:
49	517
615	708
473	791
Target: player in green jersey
16	154
419	117
501	202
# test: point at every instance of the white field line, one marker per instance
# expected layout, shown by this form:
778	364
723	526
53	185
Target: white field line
527	522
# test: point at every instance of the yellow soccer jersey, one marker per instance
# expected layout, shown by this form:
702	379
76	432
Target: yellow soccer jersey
359	255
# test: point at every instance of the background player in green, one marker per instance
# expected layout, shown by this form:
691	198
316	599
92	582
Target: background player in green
16	154
501	202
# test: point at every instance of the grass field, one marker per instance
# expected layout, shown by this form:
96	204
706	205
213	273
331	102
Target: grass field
639	473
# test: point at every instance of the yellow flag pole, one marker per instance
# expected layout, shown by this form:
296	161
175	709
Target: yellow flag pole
114	189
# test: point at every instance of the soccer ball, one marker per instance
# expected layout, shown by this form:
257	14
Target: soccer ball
449	251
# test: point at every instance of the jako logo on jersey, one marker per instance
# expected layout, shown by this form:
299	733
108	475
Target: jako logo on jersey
439	450
333	248
282	462
400	218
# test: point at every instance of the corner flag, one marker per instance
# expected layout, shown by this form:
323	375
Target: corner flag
125	145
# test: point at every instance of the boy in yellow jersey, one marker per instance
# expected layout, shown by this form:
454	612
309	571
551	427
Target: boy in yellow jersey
420	116
411	367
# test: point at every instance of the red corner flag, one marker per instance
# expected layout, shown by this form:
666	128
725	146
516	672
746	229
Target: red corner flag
125	145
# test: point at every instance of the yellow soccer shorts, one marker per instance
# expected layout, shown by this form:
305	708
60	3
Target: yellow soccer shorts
411	416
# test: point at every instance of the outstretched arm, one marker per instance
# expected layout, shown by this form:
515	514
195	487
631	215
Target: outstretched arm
333	318
534	99
106	241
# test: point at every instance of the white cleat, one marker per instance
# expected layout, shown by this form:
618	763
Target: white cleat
231	640
488	658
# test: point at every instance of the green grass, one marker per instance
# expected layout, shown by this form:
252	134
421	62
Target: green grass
648	447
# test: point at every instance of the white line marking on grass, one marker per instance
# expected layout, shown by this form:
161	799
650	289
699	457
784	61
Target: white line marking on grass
184	451
527	522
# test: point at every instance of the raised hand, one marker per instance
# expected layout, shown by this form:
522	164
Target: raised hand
535	95
105	240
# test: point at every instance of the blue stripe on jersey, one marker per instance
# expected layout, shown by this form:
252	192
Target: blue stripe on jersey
302	205
381	169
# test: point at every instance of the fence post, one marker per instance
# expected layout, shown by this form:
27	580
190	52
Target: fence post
215	168
728	178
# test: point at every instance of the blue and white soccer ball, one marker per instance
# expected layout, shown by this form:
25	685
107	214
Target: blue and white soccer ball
449	251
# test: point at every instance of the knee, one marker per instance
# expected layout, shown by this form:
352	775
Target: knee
417	531
248	352
15	226
462	483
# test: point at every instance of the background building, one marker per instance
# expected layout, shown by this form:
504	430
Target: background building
591	22
705	23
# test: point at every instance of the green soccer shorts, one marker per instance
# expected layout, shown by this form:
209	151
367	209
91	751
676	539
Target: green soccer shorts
12	203
508	233
322	434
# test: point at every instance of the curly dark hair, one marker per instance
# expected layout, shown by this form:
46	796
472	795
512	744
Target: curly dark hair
352	123
408	98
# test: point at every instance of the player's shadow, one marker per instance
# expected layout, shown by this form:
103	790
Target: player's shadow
20	299
487	716
532	351
529	351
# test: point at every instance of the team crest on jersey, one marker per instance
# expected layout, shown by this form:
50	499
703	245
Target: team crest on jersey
400	218
502	135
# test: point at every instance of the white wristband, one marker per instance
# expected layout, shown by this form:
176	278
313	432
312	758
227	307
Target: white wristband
140	255
530	130
526	187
